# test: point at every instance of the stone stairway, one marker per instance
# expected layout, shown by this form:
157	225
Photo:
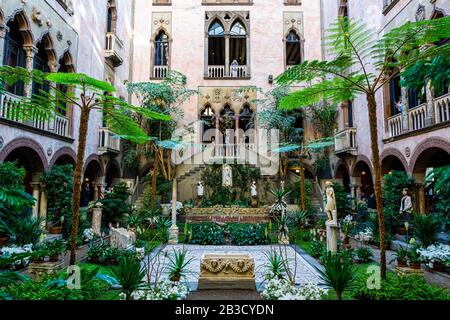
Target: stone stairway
140	200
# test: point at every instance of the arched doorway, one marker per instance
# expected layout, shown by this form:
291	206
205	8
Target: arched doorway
30	160
343	175
391	163
362	175
425	162
112	174
92	174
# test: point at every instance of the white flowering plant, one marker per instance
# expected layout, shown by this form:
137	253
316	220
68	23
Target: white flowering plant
435	254
8	252
282	289
164	290
347	224
365	235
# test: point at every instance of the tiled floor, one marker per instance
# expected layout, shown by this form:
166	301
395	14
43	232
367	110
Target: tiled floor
305	272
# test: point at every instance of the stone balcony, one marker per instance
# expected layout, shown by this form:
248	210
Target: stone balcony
420	118
109	142
58	125
234	72
160	72
114	49
345	142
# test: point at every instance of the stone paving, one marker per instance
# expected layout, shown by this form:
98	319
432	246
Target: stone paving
305	271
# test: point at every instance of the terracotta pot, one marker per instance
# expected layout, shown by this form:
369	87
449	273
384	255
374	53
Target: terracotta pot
440	267
54	258
414	265
175	278
401	263
346	239
3	240
400	230
55	230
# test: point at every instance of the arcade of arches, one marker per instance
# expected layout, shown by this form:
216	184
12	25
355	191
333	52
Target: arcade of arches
433	153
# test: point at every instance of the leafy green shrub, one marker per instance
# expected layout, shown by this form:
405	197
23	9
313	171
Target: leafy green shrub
300	235
115	204
24	229
247	234
408	287
343	200
207	234
426	228
129	273
58	182
363	255
441	177
338	273
317	249
294	195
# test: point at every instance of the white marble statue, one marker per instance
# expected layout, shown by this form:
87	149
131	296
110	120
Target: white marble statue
227	176
200	189
254	191
330	208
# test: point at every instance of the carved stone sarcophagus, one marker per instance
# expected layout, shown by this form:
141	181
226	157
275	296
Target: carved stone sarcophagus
227	271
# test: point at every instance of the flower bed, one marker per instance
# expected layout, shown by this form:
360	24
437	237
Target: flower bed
165	290
435	254
281	289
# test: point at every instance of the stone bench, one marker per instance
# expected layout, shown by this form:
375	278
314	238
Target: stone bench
227	271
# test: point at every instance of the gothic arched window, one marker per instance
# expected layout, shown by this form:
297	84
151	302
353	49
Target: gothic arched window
14	53
293	49
238	44
161	54
216	42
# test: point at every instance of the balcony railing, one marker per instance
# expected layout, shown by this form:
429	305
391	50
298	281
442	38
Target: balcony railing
114	49
108	141
234	72
214	151
419	117
9	110
345	141
442	108
160	72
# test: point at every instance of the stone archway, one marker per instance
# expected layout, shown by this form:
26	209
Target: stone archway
433	153
92	180
342	174
65	155
112	173
362	177
393	160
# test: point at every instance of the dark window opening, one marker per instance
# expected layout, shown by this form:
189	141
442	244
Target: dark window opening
161	56
293	49
41	63
14	54
216	54
395	95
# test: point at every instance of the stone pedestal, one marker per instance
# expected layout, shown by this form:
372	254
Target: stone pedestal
97	221
41	269
173	234
227	271
122	238
332	236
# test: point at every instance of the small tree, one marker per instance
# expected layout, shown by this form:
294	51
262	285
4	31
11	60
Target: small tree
88	95
361	64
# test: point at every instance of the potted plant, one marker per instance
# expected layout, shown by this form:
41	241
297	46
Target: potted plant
346	225
95	253
178	264
140	248
401	255
414	258
56	227
55	249
39	254
436	256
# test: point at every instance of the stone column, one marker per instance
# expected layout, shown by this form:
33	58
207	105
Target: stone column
333	232
30	51
227	55
173	232
36	195
43	206
97	220
248	54
405	114
3	30
419	199
430	118
95	186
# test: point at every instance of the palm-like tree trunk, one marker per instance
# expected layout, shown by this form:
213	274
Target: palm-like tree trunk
82	134
372	108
